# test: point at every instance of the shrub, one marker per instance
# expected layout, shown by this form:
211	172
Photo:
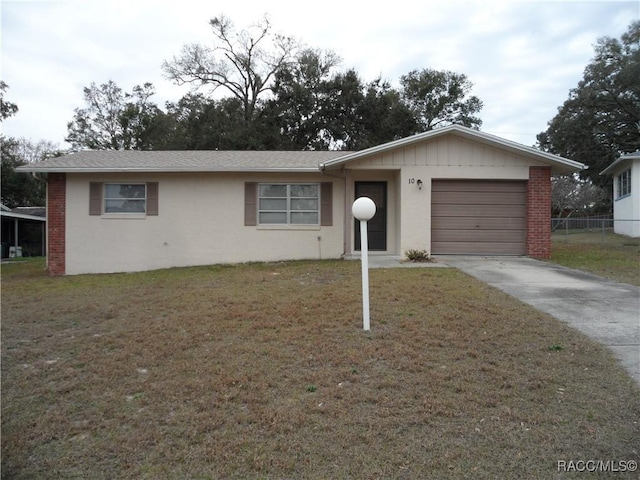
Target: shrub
418	255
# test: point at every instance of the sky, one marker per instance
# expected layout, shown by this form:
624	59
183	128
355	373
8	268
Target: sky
523	57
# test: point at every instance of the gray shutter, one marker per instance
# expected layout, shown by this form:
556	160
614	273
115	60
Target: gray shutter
95	198
152	198
326	204
250	204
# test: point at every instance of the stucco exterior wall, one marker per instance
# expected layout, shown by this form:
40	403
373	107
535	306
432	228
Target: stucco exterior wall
627	209
448	157
200	221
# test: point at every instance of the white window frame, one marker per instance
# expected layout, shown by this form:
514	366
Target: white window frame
105	199
289	211
624	184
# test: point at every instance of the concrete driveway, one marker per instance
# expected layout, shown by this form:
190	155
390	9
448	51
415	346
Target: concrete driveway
606	311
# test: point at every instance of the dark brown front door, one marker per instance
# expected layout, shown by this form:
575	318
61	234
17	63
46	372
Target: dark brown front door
377	226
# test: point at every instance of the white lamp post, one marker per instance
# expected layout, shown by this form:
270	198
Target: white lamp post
364	209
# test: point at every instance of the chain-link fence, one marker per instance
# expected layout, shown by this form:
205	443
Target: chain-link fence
599	228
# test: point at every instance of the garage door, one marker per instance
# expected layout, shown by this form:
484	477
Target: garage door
478	217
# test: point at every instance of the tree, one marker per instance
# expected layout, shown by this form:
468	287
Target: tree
29	151
342	117
116	120
364	115
21	189
300	100
601	118
570	194
439	98
206	124
292	99
316	108
243	63
384	116
7	109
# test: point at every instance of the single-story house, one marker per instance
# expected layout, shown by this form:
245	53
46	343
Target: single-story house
452	190
626	193
23	231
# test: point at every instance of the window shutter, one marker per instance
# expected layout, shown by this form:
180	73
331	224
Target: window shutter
152	198
326	204
95	198
250	204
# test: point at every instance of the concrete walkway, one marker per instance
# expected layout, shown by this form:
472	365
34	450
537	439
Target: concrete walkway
606	311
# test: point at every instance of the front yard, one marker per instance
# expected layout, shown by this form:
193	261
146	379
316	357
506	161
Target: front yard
263	371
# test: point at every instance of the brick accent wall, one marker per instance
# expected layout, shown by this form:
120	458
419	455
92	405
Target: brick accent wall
539	212
56	231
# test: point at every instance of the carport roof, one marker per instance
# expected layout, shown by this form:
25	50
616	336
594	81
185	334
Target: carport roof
559	165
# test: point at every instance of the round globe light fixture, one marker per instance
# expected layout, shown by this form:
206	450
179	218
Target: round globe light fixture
363	209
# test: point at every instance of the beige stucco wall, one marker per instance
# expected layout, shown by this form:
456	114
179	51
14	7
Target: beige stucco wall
200	221
446	157
201	216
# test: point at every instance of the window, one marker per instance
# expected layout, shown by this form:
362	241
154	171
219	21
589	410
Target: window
125	198
624	184
288	204
137	199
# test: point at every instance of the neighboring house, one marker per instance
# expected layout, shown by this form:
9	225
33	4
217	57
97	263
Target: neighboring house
626	194
453	190
23	231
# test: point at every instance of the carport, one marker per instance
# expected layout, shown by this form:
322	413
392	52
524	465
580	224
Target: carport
23	231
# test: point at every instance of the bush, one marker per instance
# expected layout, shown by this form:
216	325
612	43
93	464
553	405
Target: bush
418	255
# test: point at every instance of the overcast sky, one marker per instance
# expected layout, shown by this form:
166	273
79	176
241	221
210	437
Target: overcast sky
522	57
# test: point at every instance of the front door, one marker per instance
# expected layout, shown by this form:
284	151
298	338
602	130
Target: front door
377	226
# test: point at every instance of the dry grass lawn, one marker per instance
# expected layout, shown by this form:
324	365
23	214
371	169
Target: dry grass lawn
263	371
607	254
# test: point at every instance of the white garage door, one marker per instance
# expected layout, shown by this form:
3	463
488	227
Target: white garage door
478	217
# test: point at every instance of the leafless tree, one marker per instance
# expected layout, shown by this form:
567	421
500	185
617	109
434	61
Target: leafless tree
244	63
570	194
31	151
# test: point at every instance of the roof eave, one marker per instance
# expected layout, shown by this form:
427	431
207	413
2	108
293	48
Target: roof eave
618	164
28	169
22	216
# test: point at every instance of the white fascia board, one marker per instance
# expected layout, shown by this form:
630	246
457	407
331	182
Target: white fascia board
620	163
613	167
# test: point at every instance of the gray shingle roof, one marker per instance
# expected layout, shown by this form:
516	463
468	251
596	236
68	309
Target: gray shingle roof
265	161
184	161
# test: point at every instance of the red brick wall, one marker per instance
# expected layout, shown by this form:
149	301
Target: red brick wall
539	212
56	213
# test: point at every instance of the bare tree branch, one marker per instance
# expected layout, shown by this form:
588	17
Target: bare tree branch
243	63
